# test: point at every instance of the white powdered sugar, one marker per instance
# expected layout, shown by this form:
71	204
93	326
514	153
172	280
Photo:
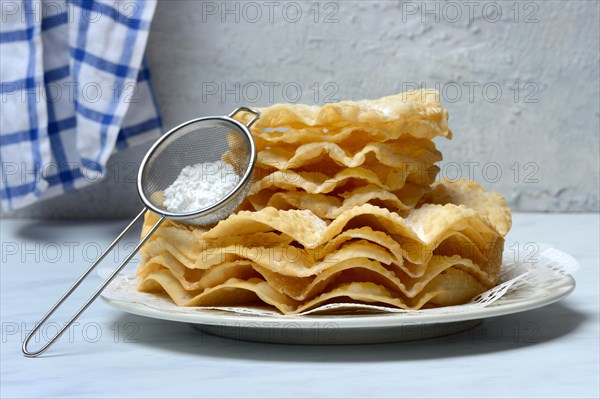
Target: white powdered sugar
199	186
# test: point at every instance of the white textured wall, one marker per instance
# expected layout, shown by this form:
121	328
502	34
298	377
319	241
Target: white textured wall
541	133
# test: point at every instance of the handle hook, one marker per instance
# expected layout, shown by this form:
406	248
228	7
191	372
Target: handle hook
250	110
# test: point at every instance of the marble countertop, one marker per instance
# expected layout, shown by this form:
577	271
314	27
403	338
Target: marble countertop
548	352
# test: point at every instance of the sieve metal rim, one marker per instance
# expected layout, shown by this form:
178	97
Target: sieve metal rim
211	208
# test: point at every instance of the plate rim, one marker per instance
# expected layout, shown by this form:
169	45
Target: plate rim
566	287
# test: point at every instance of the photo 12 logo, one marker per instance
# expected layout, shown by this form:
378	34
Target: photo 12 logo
469	11
270	11
89	332
269	92
62	252
69	91
527	172
51	12
472	92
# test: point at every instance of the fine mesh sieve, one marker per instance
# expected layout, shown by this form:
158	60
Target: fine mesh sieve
199	141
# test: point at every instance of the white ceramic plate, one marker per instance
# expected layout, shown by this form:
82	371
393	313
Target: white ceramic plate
353	328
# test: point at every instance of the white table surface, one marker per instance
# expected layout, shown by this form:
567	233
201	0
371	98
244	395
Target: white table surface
548	352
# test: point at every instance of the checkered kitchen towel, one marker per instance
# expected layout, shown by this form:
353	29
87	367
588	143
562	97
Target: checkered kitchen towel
75	87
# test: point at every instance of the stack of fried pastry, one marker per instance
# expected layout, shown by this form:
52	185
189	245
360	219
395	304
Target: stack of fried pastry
344	208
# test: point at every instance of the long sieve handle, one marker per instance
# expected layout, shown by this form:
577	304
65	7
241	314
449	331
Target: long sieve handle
67	294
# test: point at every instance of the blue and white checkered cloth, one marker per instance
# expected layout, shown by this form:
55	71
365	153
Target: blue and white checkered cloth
75	87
